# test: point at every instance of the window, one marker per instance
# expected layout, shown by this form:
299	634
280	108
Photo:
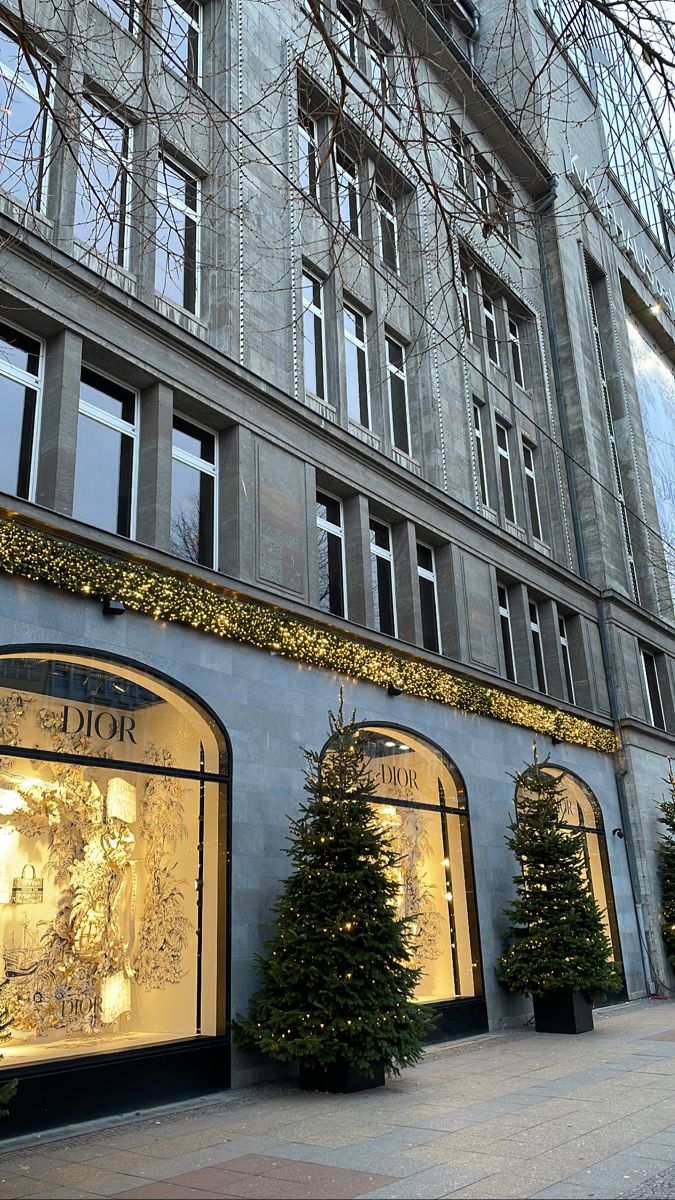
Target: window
480	453
346	29
312	302
535	630
308	153
651	678
507	639
491	338
122	11
105	460
24	123
458	146
381	73
505	471
382	564
466	303
20	391
531	486
193	493
398	396
181	29
516	353
349	205
331	555
177	251
388	222
103	178
426	572
482	178
567	661
505	210
356	365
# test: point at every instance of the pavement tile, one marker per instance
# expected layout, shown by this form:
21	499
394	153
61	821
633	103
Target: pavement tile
426	1185
163	1190
13	1187
571	1191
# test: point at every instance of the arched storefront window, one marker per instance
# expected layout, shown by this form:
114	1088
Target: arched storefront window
421	799
112	859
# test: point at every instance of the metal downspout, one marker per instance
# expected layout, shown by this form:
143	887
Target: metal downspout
544	205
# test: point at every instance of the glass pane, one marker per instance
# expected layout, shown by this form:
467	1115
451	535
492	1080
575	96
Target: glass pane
331	590
379	535
192	497
194	440
108	396
22	122
399	413
328	509
425	558
357	390
101	193
17	419
17	350
180	45
102	476
429	622
383	595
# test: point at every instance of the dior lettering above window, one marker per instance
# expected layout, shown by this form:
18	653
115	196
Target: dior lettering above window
504	458
177	236
382	568
356	366
505	629
308	153
426	574
105	458
398	395
21	363
103	183
650	675
313	336
331	555
193	493
182	36
25	125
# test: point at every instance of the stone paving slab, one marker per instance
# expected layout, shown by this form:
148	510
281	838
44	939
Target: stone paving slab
500	1117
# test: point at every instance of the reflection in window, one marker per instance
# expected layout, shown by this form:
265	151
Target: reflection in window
312	326
507	636
535	632
181	29
531	489
20	382
347	183
480	452
426	574
398	395
420	799
177	236
105	455
308	153
504	459
651	678
109	877
567	661
388	222
491	337
382	577
102	196
356	366
193	493
330	554
24	122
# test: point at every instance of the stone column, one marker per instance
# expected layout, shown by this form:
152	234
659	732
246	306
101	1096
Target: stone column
153	521
58	427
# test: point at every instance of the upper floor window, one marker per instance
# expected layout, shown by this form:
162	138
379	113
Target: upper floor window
388	222
505	629
25	92
193	493
516	351
381	66
331	554
398	395
313	334
426	574
177	236
20	394
566	659
181	29
504	456
480	452
482	182
105	457
504	202
356	366
466	302
382	566
346	28
531	486
653	689
308	153
491	337
458	146
348	199
122	11
535	631
103	183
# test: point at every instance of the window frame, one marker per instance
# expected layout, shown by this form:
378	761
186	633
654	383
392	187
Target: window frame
361	350
537	645
36	384
532	490
515	344
387	555
465	300
345	21
430	576
205	468
398	373
163	193
187	75
310	135
47	123
505	471
491	339
122	427
317	313
568	673
127	15
127	183
388	215
651	709
337	531
347	191
479	445
506	632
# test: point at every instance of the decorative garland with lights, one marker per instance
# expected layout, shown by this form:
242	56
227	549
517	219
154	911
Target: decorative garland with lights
44	558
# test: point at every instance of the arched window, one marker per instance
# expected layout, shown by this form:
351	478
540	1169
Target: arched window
421	799
112	859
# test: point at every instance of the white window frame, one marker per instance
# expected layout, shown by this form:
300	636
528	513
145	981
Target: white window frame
120	426
566	657
516	351
535	634
310	139
390	215
127	16
532	490
339	532
346	30
399	373
644	654
361	346
465	293
458	146
197	25
310	306
505	616
504	453
26	85
480	453
481	177
196	213
205	468
388	556
347	185
36	384
430	576
100	142
490	318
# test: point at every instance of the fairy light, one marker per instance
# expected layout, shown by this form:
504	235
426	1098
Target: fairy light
168	596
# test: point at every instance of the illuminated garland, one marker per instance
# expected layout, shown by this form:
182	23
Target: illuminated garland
44	558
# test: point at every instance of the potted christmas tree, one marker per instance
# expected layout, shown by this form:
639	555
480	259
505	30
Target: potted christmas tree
7	1090
338	980
667	868
556	949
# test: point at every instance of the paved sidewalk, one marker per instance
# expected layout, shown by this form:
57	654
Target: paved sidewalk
514	1115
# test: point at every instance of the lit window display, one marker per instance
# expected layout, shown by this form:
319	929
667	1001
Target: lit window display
421	799
112	860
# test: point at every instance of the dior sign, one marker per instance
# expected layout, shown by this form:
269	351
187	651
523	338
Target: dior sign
103	724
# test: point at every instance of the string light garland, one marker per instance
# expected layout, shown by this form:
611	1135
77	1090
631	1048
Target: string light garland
45	558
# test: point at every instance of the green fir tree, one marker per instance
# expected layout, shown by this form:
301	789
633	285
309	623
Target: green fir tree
556	938
7	1090
338	980
667	868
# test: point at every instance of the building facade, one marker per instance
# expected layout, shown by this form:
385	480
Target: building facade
312	378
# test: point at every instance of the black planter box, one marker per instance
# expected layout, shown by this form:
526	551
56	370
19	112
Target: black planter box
562	1011
339	1077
